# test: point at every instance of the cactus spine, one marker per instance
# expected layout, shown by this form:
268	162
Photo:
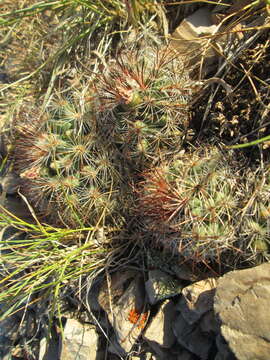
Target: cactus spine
66	171
191	203
144	99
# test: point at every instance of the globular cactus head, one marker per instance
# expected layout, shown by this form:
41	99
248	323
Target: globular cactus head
67	172
144	96
255	226
190	204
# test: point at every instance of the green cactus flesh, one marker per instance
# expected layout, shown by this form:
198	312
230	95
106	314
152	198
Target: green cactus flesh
191	202
65	171
144	102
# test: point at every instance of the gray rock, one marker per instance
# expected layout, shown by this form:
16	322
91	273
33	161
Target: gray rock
80	341
116	348
186	355
50	347
3	147
104	291
161	353
147	356
8	334
209	324
189	35
4	79
192	338
160	328
16	206
161	286
10	183
242	305
197	299
170	264
182	272
128	316
224	352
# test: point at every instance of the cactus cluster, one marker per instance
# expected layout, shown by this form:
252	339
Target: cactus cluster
144	97
67	172
74	161
255	226
191	203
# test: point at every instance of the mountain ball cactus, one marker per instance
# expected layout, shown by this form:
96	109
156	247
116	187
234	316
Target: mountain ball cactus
143	101
255	225
191	203
67	172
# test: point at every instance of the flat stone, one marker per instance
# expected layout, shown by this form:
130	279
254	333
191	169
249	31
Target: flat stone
161	286
80	341
16	206
192	338
160	328
8	335
242	306
10	183
188	38
3	147
209	323
169	264
160	352
128	316
103	291
115	348
186	355
224	352
197	299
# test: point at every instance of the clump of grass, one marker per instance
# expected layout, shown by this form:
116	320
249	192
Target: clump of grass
41	259
191	203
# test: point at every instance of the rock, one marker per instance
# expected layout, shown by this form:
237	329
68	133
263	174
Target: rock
28	341
161	353
128	316
161	286
202	38
10	183
197	299
80	341
18	334
182	272
242	305
224	352
4	79
28	327
50	349
16	206
190	38
186	355
209	324
170	264
192	338
8	335
116	348
100	295
3	145
160	328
